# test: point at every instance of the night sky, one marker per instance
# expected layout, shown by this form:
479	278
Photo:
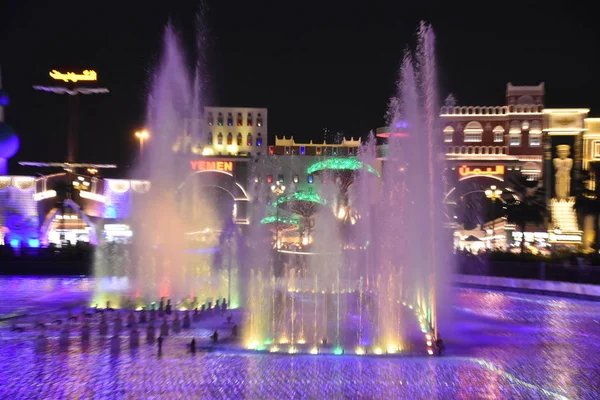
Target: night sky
312	64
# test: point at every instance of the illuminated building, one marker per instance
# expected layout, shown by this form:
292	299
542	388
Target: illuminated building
226	131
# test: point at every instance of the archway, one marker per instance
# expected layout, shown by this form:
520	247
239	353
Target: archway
226	182
468	198
68	203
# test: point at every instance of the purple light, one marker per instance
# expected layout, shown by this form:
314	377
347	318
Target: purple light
204	251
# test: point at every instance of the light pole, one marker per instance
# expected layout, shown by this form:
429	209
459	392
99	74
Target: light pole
494	194
73	92
142	136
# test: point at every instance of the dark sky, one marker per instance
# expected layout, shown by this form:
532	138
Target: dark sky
312	64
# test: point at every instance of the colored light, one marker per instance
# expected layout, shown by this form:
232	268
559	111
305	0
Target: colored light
302	150
14	242
309	196
311	179
296	179
360	351
338	351
293	220
269	178
314	350
252	345
378	351
35	243
350	163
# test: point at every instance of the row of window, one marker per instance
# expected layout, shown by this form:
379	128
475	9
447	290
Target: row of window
239	139
239	119
318	150
514	139
474	131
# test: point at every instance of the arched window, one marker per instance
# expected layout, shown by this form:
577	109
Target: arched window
448	134
535	127
249	140
239	139
498	134
229	139
258	139
209	139
473	132
515	127
220	139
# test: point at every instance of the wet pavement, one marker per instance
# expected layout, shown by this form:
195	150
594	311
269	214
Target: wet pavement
502	345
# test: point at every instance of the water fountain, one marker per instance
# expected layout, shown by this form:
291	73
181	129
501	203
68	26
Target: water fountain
159	265
374	272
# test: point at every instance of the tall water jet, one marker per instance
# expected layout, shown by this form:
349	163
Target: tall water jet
370	270
419	159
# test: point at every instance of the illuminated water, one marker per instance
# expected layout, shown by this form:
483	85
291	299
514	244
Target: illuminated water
177	210
506	345
377	242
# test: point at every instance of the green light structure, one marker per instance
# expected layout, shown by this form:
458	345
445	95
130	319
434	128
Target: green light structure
309	196
293	220
350	163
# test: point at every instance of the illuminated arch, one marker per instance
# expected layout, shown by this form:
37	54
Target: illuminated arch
225	181
52	213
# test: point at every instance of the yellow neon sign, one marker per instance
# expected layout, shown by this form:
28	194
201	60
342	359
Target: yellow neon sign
87	75
466	171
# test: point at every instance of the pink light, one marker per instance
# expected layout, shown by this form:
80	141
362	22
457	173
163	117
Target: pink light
395	134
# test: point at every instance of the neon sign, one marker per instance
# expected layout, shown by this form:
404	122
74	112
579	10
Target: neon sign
201	165
87	75
465	171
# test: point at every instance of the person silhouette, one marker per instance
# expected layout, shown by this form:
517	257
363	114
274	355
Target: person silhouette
193	346
160	342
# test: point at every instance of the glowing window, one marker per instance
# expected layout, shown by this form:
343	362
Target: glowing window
229	139
498	134
535	140
239	139
220	139
448	134
249	140
515	140
473	132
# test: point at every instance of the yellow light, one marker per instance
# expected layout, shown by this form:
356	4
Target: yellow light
392	349
253	344
283	340
87	75
314	350
274	349
360	351
428	336
430	352
378	350
301	341
429	343
292	350
142	135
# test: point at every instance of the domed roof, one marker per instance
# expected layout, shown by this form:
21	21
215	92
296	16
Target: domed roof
9	141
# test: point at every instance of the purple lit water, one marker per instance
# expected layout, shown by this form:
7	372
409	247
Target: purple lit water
506	345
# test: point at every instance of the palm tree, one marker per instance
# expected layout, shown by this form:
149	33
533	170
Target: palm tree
528	205
587	202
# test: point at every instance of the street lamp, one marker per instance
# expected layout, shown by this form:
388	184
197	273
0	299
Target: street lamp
74	92
494	194
142	136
